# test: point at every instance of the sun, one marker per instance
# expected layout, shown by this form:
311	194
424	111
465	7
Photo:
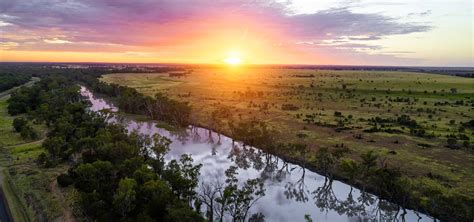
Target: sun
233	60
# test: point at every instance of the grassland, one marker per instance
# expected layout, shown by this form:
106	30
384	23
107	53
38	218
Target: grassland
31	191
438	103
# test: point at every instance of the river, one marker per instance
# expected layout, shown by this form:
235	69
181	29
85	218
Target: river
291	191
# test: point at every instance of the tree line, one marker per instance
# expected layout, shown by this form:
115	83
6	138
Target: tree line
129	100
10	80
159	107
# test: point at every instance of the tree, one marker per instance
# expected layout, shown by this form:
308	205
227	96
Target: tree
97	176
369	160
183	177
350	168
159	146
27	132
125	196
208	195
325	160
64	180
238	199
159	196
55	146
19	123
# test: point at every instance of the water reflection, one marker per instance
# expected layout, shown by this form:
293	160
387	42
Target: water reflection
291	191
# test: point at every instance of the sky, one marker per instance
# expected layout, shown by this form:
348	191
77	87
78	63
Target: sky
325	32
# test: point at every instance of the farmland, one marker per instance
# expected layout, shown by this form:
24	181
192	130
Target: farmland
417	123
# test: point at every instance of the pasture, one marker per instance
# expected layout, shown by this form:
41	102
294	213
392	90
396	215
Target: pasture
363	110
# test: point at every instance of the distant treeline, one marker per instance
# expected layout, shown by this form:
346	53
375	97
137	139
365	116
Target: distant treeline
10	80
129	100
119	177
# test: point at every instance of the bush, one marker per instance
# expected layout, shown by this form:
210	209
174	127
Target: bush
466	144
42	158
19	123
22	126
452	143
289	107
64	180
28	133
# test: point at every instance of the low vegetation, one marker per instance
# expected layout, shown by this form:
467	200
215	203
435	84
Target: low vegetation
27	188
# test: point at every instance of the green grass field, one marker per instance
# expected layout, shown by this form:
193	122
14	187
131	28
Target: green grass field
27	186
433	101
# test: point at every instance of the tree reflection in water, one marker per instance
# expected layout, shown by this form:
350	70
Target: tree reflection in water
297	191
357	205
180	135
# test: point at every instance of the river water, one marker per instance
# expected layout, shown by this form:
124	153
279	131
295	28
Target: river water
291	191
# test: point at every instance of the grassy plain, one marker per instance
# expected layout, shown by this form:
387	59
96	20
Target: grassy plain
28	187
434	101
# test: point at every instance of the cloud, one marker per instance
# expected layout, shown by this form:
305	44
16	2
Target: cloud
176	23
421	14
2	23
56	41
364	38
343	22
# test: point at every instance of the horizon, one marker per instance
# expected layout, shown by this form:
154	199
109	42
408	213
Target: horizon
265	32
242	65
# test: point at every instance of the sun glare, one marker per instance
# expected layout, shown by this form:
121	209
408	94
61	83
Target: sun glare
233	60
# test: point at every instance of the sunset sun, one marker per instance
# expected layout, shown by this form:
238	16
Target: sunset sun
233	60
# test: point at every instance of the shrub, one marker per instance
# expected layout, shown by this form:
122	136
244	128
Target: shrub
452	143
19	123
64	180
42	158
289	107
28	132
